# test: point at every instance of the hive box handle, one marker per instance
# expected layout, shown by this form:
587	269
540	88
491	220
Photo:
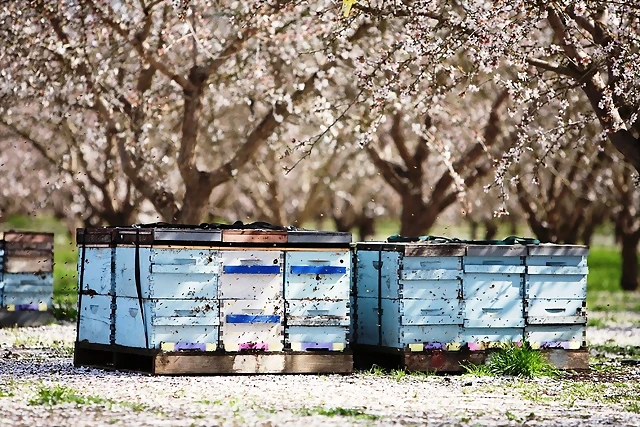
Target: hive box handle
317	312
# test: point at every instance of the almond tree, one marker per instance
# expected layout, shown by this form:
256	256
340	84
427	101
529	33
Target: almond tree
181	113
540	51
626	219
425	193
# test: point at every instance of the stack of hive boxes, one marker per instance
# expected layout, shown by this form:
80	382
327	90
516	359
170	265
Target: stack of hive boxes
409	296
317	290
555	290
493	295
452	296
208	290
26	271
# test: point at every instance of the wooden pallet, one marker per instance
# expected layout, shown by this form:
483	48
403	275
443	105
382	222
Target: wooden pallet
365	356
157	362
10	319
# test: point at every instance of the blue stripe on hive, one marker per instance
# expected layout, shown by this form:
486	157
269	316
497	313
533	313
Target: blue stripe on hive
317	269
251	269
250	318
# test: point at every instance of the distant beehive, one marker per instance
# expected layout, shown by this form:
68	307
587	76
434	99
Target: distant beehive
214	290
26	272
418	297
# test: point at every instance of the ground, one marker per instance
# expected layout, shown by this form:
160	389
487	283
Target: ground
39	386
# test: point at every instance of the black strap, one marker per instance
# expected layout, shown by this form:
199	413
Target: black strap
139	288
511	240
83	252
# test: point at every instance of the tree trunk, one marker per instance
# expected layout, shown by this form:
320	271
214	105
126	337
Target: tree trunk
474	229
366	227
492	230
629	279
415	218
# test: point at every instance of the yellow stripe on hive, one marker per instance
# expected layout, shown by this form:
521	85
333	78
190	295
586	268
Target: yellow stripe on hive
453	346
11	307
495	344
211	347
574	345
338	346
167	346
416	347
534	345
275	346
296	346
42	306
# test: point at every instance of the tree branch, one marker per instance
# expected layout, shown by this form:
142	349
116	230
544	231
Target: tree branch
139	48
554	68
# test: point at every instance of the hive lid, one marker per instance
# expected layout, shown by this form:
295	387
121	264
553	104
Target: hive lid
178	235
113	235
27	240
549	249
496	250
314	236
236	234
415	249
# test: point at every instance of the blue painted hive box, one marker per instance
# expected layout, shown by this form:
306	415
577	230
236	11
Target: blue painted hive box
231	290
26	271
452	296
555	288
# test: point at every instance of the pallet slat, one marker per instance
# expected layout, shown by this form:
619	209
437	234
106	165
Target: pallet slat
157	362
443	361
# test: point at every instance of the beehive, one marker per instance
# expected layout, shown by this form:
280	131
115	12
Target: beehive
26	275
555	296
421	297
493	295
408	296
230	290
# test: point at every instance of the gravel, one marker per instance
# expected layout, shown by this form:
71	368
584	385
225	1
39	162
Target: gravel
34	361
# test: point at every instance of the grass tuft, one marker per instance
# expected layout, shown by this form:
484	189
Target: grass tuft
514	360
57	395
341	412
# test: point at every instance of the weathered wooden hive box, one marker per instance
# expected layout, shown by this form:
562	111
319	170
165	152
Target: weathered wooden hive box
433	306
26	278
250	300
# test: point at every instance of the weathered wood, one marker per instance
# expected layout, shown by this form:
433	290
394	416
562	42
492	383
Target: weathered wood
10	319
214	363
12	247
36	263
574	360
441	360
365	356
254	236
434	249
28	237
265	363
113	235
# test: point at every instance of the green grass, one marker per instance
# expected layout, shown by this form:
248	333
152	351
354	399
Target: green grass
58	394
604	269
628	351
603	283
513	360
633	407
338	412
